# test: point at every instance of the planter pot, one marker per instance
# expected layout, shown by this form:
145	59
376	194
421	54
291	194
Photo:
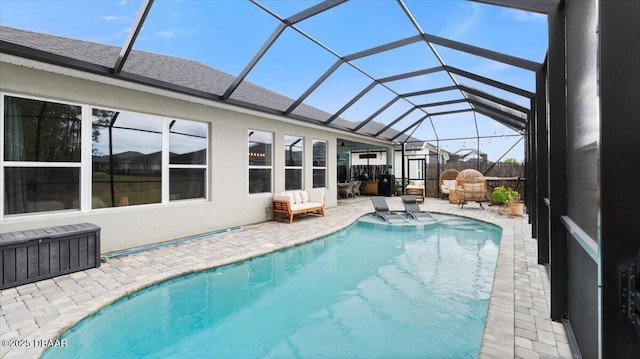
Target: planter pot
453	198
516	209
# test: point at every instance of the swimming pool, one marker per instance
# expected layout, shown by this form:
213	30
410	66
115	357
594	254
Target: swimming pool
368	291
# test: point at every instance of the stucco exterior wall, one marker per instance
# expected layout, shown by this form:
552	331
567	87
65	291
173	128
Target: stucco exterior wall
229	202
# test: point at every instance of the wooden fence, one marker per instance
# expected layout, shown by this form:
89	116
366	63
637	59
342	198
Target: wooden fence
500	170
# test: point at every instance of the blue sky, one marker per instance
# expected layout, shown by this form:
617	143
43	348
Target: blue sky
226	35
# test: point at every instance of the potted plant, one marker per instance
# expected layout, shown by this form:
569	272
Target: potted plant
514	205
398	187
510	198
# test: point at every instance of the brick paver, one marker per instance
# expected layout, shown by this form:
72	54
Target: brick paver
518	323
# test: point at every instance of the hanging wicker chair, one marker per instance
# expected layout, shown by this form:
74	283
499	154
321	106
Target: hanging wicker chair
449	176
471	186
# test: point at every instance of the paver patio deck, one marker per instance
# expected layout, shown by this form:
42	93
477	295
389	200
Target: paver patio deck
518	323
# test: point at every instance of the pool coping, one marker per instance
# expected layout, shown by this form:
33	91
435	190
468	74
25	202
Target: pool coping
48	308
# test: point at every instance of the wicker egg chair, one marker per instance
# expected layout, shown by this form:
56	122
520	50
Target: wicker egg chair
449	176
471	186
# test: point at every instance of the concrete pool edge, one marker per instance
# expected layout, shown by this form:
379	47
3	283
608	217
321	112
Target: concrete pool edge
139	271
497	340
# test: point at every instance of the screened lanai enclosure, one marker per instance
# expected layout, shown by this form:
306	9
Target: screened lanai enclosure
549	83
322	60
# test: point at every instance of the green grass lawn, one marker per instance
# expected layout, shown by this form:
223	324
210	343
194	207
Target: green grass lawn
136	189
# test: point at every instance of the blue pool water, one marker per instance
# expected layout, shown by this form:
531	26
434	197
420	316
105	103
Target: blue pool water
368	291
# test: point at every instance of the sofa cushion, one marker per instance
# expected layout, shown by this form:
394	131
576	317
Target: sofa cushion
284	196
296	197
473	187
316	195
449	183
305	196
302	206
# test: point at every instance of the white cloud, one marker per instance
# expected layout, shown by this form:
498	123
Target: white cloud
175	33
522	16
462	21
166	34
494	66
109	18
116	18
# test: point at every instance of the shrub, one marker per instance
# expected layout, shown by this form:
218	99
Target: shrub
505	195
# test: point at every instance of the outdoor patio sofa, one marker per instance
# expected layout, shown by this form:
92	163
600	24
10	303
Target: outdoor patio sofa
290	203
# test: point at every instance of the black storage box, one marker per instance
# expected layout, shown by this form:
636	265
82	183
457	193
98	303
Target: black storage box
33	255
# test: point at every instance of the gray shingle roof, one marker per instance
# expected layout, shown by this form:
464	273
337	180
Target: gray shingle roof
82	50
185	73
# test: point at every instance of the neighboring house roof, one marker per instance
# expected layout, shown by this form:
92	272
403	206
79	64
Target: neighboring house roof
155	157
421	145
467	151
176	71
468	154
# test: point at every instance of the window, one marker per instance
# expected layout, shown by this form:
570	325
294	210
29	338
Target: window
127	159
319	164
187	159
135	158
367	155
42	156
260	164
293	169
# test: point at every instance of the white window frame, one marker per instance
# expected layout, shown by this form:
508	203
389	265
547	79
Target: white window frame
326	159
86	161
301	167
250	167
40	164
166	148
164	170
